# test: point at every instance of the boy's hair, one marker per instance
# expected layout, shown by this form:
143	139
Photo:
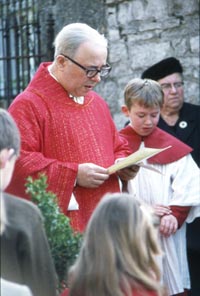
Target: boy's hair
145	92
9	132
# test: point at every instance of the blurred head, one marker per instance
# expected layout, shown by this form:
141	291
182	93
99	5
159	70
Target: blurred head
9	147
168	73
143	100
80	58
2	217
118	250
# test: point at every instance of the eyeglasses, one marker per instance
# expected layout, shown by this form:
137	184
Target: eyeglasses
168	86
92	71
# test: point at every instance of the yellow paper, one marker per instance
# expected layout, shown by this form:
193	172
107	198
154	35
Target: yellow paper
135	158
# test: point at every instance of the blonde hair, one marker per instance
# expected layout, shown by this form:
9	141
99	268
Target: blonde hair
118	252
73	35
145	92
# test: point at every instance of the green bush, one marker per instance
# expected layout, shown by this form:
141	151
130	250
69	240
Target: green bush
63	241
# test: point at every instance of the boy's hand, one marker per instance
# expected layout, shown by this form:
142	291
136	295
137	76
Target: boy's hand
168	225
128	173
162	210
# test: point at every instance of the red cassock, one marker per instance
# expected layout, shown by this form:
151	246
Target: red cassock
57	134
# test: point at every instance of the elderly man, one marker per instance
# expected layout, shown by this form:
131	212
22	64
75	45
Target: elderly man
66	128
182	120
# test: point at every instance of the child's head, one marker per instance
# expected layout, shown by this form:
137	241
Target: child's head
123	227
143	101
9	147
144	92
119	248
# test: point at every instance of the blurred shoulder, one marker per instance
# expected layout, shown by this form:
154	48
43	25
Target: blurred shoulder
18	209
13	289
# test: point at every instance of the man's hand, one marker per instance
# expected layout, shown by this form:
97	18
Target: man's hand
128	173
91	175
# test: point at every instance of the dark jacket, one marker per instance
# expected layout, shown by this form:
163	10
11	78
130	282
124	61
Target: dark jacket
25	253
187	129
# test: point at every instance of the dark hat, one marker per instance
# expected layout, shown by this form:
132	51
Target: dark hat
162	69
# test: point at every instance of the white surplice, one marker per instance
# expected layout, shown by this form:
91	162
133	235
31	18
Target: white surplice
178	184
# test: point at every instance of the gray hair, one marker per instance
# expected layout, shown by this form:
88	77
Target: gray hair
9	132
73	35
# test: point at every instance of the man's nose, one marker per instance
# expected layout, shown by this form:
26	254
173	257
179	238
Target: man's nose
96	78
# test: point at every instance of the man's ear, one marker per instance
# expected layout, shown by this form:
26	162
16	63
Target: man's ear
60	61
4	156
125	110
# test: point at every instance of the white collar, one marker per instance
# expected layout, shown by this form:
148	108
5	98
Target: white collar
79	100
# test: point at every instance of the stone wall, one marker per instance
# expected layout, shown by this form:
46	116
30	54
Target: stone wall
140	33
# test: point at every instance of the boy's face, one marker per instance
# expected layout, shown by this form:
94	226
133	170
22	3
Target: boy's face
7	163
143	119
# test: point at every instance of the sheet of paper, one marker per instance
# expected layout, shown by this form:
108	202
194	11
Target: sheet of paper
135	158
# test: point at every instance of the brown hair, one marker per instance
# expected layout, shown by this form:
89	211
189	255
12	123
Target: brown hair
119	250
145	92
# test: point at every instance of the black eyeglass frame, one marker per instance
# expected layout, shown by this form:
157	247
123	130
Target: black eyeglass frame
106	68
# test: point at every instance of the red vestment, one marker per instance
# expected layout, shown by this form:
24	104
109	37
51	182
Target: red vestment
57	134
157	139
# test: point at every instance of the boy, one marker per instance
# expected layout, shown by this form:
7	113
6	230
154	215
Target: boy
172	192
25	254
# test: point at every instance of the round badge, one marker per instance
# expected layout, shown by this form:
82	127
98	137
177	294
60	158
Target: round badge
183	124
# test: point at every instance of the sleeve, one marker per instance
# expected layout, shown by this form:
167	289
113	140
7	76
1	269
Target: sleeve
186	186
180	213
121	146
61	176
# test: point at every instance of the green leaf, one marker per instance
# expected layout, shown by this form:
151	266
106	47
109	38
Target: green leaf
63	241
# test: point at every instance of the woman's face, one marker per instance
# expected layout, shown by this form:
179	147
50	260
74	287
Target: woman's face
172	86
